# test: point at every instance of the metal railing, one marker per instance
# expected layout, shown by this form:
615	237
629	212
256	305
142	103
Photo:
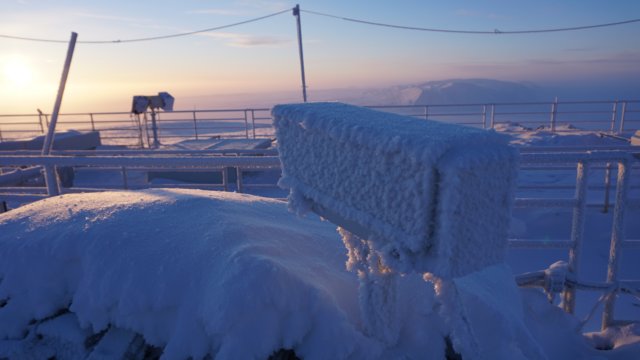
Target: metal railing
614	116
124	128
221	161
136	130
584	163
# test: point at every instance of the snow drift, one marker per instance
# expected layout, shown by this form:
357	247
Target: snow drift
194	272
142	261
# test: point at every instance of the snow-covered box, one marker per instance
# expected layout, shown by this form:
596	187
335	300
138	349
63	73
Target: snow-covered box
430	196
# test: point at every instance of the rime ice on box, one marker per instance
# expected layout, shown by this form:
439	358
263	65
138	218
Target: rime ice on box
430	196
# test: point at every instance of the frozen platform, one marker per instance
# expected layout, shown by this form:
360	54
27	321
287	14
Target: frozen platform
223	144
68	140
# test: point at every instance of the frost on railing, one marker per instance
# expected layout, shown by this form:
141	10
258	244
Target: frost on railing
412	196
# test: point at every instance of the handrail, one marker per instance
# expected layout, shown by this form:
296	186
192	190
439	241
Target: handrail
610	116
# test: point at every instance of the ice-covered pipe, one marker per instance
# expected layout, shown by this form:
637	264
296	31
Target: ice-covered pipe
428	196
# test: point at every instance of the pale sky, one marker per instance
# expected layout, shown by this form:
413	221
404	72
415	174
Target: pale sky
263	56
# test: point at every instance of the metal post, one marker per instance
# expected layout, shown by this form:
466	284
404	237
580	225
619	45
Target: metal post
624	112
239	179
40	120
617	237
554	111
225	179
577	232
613	116
140	139
493	115
93	125
146	129
125	181
48	140
484	116
50	174
253	122
296	13
246	124
426	112
154	128
195	125
51	180
607	187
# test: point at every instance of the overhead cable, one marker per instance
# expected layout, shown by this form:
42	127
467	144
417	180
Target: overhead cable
161	37
493	32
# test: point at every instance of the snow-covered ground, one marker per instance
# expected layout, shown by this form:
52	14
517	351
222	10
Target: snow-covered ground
201	273
231	275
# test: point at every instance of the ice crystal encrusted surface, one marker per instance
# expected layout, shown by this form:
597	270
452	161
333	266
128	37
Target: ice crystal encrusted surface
434	196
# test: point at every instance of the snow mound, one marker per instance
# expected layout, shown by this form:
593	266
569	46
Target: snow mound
194	272
565	135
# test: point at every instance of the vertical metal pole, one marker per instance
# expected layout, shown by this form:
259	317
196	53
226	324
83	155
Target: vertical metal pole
146	129
426	112
577	232
50	176
613	117
48	140
624	112
484	116
40	120
225	179
154	128
93	125
296	13
253	122
140	138
51	180
195	125
246	124
239	179
617	237
125	182
493	115
554	111
607	187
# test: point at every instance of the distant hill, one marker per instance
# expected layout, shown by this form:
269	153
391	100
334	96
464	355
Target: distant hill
454	91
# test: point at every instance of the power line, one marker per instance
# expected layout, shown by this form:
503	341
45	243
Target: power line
161	37
494	32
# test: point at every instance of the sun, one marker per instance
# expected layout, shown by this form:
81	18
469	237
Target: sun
17	73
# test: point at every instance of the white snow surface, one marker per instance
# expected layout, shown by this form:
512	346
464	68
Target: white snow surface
235	276
196	273
435	196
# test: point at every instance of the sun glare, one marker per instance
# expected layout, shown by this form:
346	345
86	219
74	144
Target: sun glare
17	73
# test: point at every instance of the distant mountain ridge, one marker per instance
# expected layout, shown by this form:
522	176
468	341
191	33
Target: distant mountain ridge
439	92
455	91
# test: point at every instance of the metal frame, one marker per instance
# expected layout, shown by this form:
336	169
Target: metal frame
613	286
